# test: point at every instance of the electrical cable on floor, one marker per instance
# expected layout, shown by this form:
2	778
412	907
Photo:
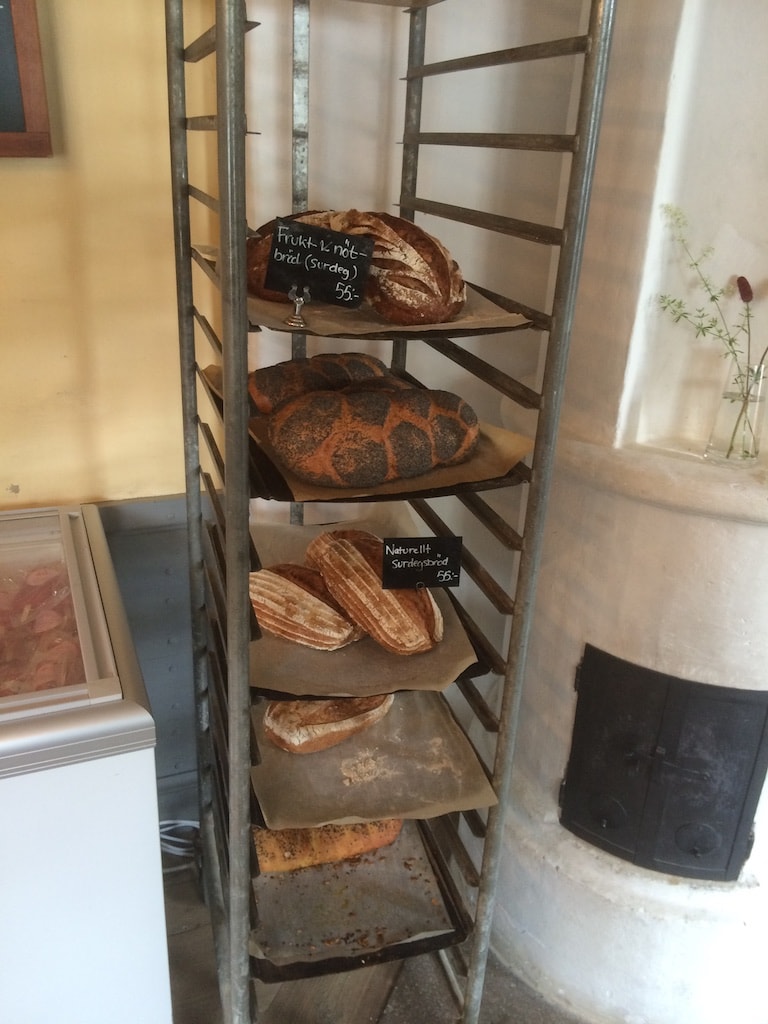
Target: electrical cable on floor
179	838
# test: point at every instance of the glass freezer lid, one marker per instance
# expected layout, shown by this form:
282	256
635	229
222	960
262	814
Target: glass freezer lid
55	648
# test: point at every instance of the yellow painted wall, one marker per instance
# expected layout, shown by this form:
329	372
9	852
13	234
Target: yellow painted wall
89	382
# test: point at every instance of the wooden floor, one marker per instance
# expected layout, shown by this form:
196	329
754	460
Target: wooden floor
411	992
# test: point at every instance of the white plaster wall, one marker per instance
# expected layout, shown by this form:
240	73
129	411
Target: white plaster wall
650	553
713	166
617	949
681	126
621	212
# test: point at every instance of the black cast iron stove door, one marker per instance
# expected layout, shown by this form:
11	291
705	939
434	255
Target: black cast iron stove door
664	772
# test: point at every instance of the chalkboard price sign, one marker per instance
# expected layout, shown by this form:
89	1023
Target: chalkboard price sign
11	101
333	266
412	562
24	129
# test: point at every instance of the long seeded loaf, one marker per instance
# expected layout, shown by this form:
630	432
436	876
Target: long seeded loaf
294	848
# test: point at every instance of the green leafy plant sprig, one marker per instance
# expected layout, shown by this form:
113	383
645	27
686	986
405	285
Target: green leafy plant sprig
710	320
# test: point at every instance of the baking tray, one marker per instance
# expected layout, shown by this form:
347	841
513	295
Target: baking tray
497	454
479	315
396	902
362	668
415	762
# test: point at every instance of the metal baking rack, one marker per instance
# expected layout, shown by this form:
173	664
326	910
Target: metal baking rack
224	469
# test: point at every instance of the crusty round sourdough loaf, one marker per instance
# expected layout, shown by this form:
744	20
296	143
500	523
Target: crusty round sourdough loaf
293	602
402	620
306	726
413	278
291	849
366	437
269	386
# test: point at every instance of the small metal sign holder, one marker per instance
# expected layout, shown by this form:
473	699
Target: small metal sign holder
296	320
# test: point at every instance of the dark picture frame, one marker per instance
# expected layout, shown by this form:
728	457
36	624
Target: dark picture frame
24	126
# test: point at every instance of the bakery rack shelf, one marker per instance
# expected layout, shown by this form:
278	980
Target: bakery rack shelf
450	848
399	902
499	461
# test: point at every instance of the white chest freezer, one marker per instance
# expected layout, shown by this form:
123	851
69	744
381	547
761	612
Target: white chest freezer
82	919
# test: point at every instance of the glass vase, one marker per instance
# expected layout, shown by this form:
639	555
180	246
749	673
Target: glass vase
739	420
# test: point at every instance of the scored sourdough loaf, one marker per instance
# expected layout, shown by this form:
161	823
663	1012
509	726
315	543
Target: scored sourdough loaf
306	726
402	621
413	278
366	437
291	849
293	602
269	386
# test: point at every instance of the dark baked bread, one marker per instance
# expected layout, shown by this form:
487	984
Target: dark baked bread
413	278
269	386
363	438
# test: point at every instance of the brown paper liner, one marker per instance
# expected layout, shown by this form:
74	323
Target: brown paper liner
478	314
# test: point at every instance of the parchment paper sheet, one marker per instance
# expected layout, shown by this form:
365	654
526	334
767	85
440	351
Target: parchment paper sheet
329	321
415	763
351	908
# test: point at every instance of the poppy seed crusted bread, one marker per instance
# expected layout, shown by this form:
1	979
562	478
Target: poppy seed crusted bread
367	437
270	386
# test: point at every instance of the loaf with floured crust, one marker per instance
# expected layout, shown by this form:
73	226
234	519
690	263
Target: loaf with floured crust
291	849
364	437
293	602
413	278
270	386
401	620
307	726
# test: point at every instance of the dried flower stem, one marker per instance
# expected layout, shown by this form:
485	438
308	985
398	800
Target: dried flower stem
747	376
